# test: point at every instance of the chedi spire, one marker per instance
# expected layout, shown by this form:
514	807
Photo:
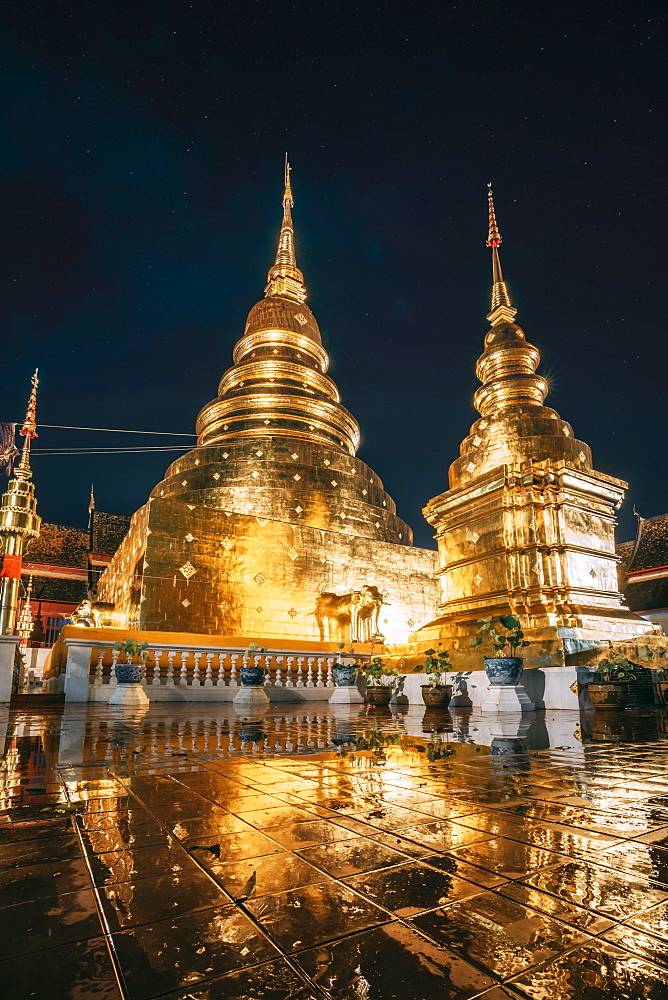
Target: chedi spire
502	309
285	278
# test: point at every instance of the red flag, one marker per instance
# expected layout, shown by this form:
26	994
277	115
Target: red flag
11	567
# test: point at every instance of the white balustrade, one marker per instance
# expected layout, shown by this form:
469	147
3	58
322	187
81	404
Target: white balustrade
192	669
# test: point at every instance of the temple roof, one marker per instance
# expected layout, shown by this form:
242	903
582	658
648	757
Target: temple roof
650	549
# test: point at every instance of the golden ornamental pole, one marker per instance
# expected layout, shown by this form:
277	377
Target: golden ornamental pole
19	522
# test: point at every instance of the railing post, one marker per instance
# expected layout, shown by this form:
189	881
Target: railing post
77	668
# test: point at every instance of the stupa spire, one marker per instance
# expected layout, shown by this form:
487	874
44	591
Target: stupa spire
19	521
502	309
23	472
285	278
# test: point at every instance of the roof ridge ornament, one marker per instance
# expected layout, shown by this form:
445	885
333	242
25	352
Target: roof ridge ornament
502	309
28	431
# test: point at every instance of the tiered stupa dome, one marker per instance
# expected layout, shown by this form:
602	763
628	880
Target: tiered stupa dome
277	442
514	425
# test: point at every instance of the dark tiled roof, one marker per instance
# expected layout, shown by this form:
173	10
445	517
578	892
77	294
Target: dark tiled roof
652	549
109	530
59	545
647	595
49	588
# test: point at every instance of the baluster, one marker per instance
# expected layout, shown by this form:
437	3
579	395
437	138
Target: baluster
183	675
171	653
208	677
288	672
220	677
196	681
267	665
330	675
320	682
97	680
309	674
233	670
156	667
278	680
115	653
300	675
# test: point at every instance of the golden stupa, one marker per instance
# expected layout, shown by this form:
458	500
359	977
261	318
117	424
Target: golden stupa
271	526
527	523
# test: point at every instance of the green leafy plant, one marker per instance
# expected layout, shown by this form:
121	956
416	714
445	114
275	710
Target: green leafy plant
617	670
250	654
377	742
504	643
378	674
133	650
435	666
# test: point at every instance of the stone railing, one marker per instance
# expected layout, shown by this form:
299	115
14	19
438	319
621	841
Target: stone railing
195	673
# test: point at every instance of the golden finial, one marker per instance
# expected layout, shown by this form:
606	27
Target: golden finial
502	310
494	237
287	195
28	431
285	279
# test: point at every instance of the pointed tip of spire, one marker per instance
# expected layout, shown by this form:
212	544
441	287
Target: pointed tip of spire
502	310
494	236
29	428
285	279
287	194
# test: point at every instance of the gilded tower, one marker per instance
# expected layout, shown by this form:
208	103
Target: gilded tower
19	521
271	518
527	523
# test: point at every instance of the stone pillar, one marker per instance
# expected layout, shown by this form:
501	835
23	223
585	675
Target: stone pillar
8	644
77	669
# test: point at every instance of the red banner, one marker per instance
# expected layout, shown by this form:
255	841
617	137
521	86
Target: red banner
11	567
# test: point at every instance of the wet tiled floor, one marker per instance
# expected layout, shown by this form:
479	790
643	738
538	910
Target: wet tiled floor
193	855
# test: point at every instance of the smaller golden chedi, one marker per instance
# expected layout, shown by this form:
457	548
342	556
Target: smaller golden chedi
527	523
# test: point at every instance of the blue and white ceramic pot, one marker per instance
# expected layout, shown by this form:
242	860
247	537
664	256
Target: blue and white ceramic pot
129	673
345	677
252	676
504	669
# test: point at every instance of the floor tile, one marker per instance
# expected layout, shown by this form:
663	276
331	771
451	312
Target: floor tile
76	971
48	922
613	894
123	866
234	847
586	920
346	857
127	904
300	918
411	888
31	852
498	934
165	956
20	885
452	865
594	971
443	835
391	962
309	834
271	981
507	858
646	861
265	819
273	872
124	838
645	945
126	819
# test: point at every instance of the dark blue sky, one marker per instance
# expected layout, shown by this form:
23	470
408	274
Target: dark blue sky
141	167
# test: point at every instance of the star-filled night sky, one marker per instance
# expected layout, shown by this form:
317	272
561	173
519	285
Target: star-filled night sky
141	182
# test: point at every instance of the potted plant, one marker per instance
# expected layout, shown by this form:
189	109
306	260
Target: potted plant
380	681
611	687
345	674
506	668
437	693
252	674
136	656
